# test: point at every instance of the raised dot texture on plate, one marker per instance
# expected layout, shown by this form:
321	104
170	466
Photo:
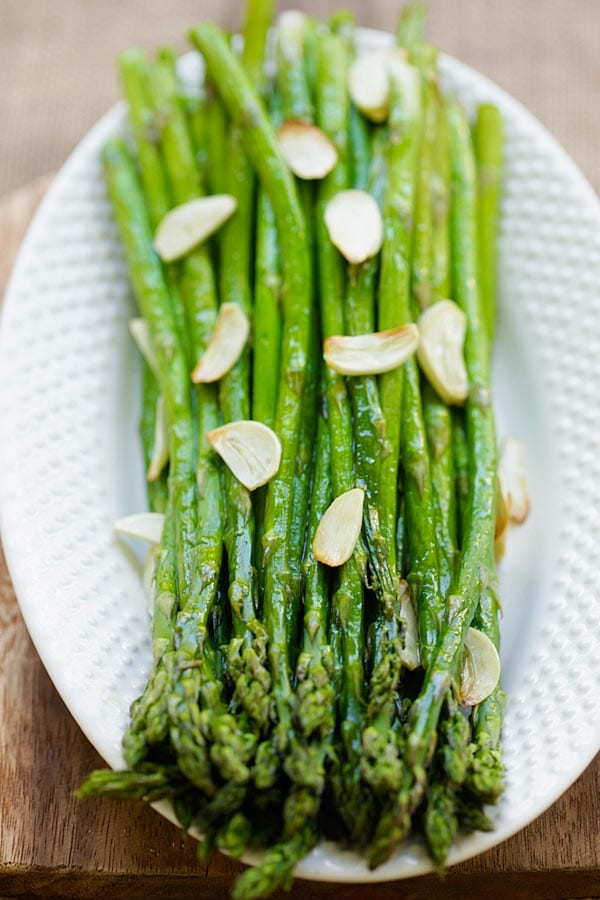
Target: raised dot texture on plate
69	294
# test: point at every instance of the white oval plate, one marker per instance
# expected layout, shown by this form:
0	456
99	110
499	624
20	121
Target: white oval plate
70	464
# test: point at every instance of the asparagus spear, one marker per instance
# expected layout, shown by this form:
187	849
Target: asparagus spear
267	324
425	57
380	764
247	651
481	508
485	777
411	25
196	686
430	277
314	712
216	128
153	297
263	151
267	315
148	715
294	29
149	782
332	113
394	283
157	489
488	151
134	73
292	79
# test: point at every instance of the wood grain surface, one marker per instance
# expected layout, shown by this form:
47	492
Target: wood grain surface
52	845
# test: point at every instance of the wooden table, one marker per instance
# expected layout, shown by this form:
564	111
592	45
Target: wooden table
52	845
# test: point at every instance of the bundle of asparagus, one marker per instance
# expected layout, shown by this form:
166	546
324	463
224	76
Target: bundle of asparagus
324	485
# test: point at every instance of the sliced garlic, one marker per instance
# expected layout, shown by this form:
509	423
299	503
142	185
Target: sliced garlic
160	451
140	332
480	670
371	354
442	330
369	80
149	576
307	150
251	450
339	528
411	656
225	346
186	226
512	480
145	526
355	225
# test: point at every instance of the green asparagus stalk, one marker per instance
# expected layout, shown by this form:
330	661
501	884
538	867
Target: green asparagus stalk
134	74
196	686
380	765
149	782
394	286
411	25
293	37
267	315
332	118
488	151
440	198
485	778
153	297
197	278
480	514
292	78
267	324
400	389
314	712
196	105
247	651
157	489
263	151
259	16
216	129
422	255
430	276
148	722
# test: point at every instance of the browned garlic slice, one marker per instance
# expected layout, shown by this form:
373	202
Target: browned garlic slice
160	450
250	449
339	528
369	80
442	330
355	225
145	526
512	480
480	669
186	226
371	354
140	332
225	346
307	150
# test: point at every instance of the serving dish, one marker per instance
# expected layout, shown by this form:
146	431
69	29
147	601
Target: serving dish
70	464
